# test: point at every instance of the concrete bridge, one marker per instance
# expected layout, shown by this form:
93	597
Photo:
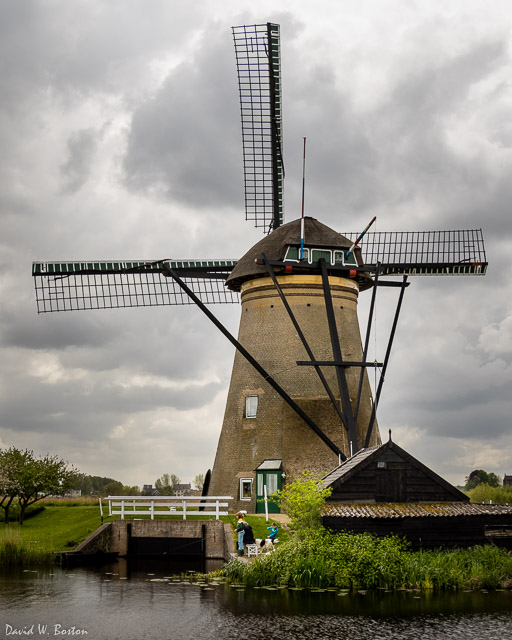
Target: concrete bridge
208	539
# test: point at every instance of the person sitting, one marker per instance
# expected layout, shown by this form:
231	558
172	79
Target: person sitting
248	534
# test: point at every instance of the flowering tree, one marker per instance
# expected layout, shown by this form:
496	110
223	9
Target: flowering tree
30	479
11	463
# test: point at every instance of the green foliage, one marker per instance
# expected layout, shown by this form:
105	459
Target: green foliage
303	501
15	553
46	533
30	479
479	476
98	484
165	484
105	487
30	512
487	493
199	482
320	559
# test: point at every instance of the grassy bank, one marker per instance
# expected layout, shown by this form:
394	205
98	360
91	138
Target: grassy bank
60	524
321	559
56	528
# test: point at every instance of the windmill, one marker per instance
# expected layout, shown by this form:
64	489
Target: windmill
299	396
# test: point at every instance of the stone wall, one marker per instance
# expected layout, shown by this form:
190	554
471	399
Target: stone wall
114	536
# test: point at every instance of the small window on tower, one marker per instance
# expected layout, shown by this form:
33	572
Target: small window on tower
251	406
245	488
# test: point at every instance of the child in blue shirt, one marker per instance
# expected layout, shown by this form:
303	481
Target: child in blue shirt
273	532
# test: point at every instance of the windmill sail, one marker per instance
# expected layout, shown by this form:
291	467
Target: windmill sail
413	253
257	49
76	286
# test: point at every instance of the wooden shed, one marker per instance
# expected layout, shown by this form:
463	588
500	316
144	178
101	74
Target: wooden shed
384	490
387	473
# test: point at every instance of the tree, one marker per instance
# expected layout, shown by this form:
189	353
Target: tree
99	484
113	488
11	463
131	491
303	501
479	476
165	484
31	479
484	493
116	488
86	487
199	482
42	477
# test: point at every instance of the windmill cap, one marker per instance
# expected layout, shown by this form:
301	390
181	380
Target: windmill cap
274	246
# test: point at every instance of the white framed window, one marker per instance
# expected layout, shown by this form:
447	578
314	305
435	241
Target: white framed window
340	257
251	406
246	488
293	254
321	254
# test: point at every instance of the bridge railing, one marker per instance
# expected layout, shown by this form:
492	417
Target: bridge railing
168	506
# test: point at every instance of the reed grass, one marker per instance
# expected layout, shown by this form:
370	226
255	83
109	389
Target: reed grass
322	559
15	552
48	532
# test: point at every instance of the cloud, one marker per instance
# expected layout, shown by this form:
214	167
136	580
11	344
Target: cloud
121	126
77	167
183	140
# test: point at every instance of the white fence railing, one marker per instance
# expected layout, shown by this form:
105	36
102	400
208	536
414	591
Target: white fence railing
167	506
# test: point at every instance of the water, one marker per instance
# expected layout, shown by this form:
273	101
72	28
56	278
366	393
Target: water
129	602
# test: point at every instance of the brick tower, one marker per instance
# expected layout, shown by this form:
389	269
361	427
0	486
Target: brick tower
263	440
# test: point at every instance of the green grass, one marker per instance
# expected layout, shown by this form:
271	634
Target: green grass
41	536
321	559
61	525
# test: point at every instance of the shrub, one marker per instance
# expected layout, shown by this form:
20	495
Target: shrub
319	558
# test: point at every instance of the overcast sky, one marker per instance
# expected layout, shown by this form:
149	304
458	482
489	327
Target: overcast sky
120	139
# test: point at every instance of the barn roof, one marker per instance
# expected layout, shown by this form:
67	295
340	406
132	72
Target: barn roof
367	457
416	510
349	465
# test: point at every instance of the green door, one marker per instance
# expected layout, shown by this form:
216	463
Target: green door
272	480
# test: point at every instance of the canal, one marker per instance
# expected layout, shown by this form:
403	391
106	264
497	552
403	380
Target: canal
126	601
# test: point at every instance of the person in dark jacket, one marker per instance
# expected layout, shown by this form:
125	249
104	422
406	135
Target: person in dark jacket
248	535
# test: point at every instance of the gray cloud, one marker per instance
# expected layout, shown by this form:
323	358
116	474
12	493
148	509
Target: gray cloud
183	141
77	166
121	124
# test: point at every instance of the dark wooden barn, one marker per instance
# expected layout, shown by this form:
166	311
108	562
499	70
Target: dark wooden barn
384	490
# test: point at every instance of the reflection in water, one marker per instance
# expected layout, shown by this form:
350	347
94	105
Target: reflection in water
131	602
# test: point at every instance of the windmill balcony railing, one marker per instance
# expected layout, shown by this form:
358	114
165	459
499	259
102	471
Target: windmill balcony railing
168	506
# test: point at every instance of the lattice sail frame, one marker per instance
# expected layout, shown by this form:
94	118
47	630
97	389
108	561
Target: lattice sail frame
70	286
78	286
258	60
459	252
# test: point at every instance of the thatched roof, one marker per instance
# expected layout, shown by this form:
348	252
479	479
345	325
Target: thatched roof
274	247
